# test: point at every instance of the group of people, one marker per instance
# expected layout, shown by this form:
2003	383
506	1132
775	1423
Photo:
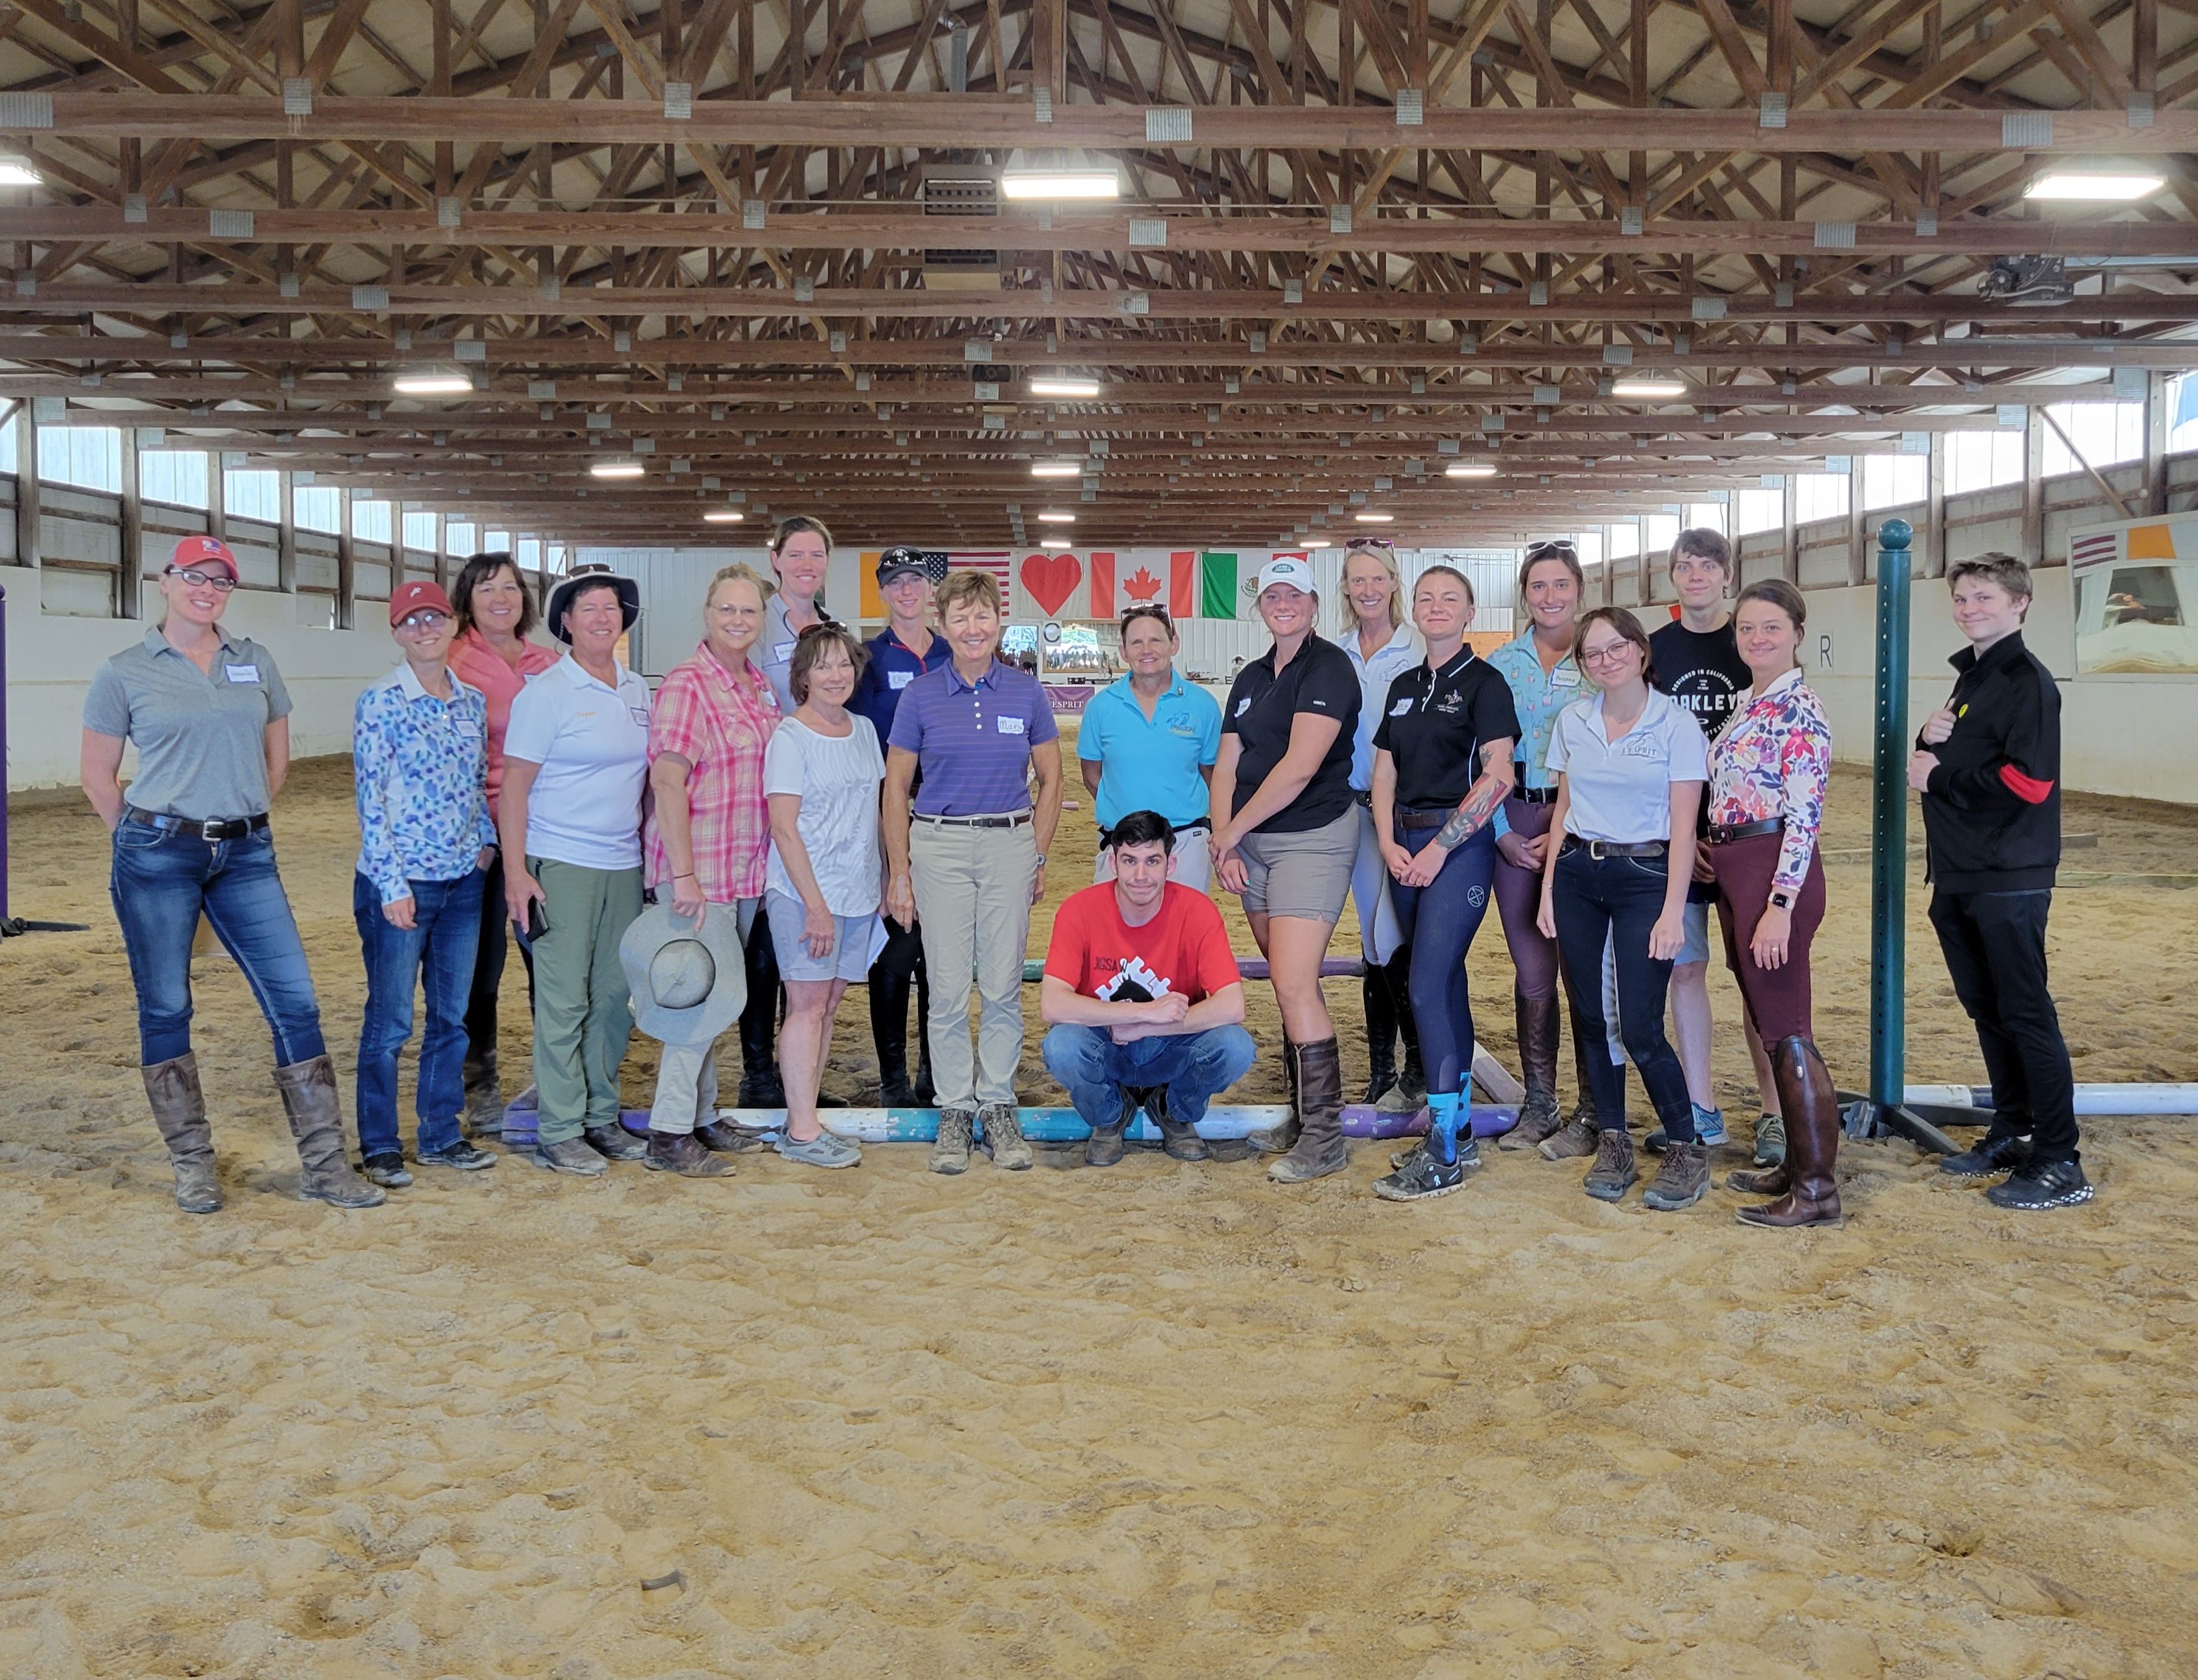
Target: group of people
795	811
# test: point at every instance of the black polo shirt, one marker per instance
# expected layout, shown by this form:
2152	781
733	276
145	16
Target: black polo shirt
1263	707
1434	725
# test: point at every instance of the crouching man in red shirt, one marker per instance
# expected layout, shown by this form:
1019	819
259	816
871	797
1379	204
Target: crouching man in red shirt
1142	999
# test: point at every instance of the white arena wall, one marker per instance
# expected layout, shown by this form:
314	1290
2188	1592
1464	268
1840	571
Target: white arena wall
2124	734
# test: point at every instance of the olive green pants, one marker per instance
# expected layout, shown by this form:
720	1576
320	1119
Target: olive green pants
581	1017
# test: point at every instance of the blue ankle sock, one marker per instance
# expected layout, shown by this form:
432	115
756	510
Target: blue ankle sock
1442	1128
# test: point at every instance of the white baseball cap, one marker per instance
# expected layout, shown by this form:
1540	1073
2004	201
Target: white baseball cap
1296	570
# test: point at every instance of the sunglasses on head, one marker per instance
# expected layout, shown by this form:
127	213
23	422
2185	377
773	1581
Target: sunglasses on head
1370	542
1153	611
1550	546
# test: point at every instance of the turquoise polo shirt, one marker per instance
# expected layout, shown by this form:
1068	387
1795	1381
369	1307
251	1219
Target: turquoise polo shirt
1150	766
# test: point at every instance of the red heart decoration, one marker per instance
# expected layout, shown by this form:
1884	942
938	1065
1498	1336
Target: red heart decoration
1051	578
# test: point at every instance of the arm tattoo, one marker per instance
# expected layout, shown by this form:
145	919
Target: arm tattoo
1479	806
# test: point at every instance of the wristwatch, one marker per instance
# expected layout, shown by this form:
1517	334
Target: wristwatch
1041	860
1781	899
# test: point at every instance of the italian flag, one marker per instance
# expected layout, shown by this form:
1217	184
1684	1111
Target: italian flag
1134	580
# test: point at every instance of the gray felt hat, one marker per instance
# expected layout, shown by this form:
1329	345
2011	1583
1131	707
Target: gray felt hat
688	983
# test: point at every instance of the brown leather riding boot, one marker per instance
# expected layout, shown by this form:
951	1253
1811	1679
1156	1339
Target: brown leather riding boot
1812	1104
1276	1140
179	1110
316	1116
1539	1115
1319	1150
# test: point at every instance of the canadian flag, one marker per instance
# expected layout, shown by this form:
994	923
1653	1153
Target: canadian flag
1136	579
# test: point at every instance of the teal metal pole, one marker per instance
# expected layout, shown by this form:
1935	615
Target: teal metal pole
1889	878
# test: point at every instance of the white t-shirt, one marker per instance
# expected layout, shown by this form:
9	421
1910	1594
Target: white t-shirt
591	741
837	778
1621	790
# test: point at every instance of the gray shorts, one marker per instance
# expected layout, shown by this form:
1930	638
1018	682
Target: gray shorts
1695	948
849	959
1305	875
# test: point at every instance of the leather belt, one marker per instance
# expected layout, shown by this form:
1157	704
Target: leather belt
1534	795
1721	835
1197	825
1016	820
1365	800
224	828
1424	819
1599	850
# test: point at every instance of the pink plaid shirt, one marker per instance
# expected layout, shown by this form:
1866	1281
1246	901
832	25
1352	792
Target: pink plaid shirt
720	725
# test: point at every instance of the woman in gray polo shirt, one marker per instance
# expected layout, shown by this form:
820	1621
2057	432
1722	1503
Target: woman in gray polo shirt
209	716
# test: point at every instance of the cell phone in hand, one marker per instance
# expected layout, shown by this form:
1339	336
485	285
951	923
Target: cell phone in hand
538	920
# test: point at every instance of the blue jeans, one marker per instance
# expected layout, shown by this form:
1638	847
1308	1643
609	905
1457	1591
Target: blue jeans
436	953
1439	921
160	882
1616	901
1194	1067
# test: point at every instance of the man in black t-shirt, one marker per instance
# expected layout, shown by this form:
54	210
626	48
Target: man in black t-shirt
1698	664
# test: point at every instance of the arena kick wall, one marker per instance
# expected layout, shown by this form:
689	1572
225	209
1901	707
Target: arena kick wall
2124	734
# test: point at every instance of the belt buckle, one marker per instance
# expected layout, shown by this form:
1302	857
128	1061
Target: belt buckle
210	831
1595	851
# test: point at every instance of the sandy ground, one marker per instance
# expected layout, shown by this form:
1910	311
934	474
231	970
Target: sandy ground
1153	1422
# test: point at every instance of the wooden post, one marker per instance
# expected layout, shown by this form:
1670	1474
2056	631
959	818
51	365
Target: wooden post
1857	555
1789	552
1934	562
30	548
217	496
286	534
130	568
345	570
2155	442
2034	488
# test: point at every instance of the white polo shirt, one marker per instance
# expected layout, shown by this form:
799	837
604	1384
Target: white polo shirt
1621	790
591	739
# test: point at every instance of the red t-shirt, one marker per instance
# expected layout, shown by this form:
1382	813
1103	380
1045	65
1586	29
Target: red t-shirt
1184	949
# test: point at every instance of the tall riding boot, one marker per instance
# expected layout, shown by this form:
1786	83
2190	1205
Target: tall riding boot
484	1101
1411	1091
889	1032
1811	1105
927	1088
1277	1139
1536	1018
1319	1150
179	1110
308	1100
760	1085
1380	1033
1582	1049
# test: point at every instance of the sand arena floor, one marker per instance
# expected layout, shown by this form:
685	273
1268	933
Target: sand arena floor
1154	1422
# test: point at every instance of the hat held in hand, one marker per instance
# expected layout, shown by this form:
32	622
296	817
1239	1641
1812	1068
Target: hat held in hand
688	983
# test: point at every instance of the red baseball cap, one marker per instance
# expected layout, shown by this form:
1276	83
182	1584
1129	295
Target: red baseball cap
409	598
200	552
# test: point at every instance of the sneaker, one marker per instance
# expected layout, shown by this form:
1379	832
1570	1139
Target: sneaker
1770	1140
1709	1131
462	1156
1682	1181
1422	1179
387	1171
723	1137
950	1154
1003	1137
571	1155
1993	1155
825	1149
2041	1185
1580	1136
1613	1172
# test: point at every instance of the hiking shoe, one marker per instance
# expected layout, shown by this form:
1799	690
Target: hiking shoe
2042	1184
1539	1117
571	1155
614	1143
1613	1170
462	1156
1993	1155
682	1153
1578	1136
1682	1181
825	1149
723	1137
1422	1178
387	1171
950	1154
1003	1137
1770	1140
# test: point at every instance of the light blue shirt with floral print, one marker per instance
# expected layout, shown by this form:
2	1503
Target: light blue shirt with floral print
1537	696
422	775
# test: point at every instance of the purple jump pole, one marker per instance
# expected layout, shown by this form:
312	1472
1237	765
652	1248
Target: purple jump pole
3	752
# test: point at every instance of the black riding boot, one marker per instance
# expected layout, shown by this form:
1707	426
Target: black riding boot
889	1033
1381	1034
760	1085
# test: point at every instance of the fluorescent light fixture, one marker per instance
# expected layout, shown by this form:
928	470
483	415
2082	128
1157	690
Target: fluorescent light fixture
1052	542
1055	469
1374	519
1033	184
1648	386
1049	385
434	385
1056	519
615	469
18	173
1470	469
723	516
1316	541
2121	188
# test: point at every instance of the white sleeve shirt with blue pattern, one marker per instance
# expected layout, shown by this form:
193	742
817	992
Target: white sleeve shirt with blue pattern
423	775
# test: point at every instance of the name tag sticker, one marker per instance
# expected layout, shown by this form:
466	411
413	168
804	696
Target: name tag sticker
1009	725
1243	705
1565	676
1401	708
466	729
243	673
782	653
639	714
898	680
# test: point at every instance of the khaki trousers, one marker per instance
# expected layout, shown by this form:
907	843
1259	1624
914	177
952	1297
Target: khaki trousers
973	889
686	1074
581	1017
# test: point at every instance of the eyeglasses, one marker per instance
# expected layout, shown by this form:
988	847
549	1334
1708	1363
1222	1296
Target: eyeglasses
200	580
1610	654
427	618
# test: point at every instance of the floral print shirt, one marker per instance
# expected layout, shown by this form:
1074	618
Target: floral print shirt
1537	696
421	768
1772	758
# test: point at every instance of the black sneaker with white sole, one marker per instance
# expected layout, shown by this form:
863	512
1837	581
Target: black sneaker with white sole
1993	1155
2041	1185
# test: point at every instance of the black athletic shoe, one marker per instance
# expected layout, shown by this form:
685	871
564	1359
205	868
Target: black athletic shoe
1993	1155
1422	1178
2046	1184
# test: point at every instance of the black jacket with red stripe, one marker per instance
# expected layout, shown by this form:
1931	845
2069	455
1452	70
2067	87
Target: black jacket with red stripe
1991	812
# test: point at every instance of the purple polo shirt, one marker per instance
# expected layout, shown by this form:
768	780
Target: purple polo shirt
973	741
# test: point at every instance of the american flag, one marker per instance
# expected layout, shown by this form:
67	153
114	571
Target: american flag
998	564
2094	550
